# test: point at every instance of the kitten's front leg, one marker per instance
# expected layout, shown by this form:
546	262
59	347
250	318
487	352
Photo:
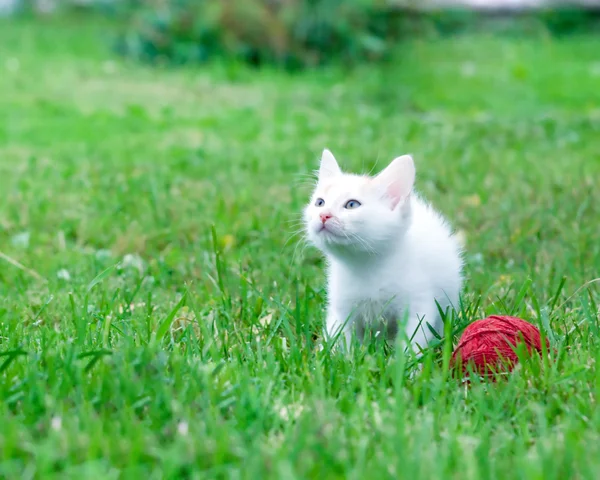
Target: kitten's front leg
417	330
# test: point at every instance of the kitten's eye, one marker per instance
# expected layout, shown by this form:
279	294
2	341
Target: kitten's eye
350	204
319	202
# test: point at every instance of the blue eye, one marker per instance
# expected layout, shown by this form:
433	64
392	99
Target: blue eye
320	202
350	204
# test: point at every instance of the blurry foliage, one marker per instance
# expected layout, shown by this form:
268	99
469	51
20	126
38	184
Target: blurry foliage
302	33
291	33
570	19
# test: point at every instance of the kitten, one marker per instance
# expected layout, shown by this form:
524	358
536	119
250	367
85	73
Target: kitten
390	256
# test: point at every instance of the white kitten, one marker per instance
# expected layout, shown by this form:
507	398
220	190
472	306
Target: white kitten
390	256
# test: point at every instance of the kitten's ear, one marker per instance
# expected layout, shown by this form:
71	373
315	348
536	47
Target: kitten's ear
329	166
398	179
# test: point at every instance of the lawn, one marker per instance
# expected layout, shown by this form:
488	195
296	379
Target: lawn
160	316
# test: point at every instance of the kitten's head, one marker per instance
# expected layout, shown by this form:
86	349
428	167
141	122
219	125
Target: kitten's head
352	213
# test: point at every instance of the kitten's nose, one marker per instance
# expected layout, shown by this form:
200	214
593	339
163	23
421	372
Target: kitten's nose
325	217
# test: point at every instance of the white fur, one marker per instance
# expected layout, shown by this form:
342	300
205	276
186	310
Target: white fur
390	259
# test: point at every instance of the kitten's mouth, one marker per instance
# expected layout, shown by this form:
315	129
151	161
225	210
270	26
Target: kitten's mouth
327	231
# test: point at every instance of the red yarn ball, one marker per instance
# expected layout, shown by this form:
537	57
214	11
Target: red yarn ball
488	346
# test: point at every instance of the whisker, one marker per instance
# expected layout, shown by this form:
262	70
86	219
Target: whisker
304	184
295	226
302	245
305	177
292	236
368	247
374	167
299	219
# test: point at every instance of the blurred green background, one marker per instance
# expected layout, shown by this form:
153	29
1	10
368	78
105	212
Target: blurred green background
160	314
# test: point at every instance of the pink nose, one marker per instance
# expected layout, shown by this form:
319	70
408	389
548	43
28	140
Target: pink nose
325	217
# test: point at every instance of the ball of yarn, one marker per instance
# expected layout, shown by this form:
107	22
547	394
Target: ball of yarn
488	346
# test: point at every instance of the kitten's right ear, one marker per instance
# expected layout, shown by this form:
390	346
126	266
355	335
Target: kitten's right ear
397	179
329	167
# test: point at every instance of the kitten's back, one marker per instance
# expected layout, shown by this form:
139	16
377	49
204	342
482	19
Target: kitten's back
438	251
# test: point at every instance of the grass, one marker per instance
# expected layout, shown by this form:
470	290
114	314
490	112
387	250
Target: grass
158	318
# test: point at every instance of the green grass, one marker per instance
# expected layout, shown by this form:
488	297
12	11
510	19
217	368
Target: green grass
163	322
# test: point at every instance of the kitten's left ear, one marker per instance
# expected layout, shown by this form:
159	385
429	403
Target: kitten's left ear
398	179
329	166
